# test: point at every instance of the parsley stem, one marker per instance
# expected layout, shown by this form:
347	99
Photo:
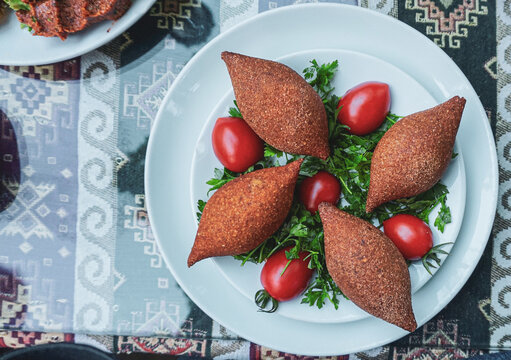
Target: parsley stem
392	121
285	268
249	255
345	186
278	247
261	252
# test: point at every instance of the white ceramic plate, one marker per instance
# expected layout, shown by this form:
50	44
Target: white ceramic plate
408	96
202	85
19	47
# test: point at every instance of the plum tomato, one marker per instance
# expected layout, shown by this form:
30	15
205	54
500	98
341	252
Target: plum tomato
318	188
235	144
364	107
285	281
411	235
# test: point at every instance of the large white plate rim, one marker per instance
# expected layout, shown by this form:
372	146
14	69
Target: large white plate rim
459	254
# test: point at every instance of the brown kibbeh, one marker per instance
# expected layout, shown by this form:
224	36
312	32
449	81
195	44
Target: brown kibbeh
414	153
367	267
279	105
245	212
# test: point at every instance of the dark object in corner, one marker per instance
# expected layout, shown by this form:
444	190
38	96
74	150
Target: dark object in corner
61	351
9	162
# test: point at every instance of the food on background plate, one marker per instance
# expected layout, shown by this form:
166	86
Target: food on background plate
58	18
279	105
98	9
73	15
42	18
414	153
367	267
245	212
235	144
364	107
16	4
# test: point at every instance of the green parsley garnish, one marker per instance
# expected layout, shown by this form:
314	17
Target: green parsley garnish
235	111
17	5
432	255
200	208
25	26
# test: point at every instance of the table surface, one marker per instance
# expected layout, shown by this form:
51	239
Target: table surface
78	260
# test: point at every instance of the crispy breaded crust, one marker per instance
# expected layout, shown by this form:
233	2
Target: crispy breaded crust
279	105
367	267
245	212
414	153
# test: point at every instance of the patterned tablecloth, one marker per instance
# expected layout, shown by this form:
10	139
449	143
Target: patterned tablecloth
78	260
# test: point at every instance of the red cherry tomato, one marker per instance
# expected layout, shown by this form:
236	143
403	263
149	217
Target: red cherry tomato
235	144
411	235
321	187
364	107
285	284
